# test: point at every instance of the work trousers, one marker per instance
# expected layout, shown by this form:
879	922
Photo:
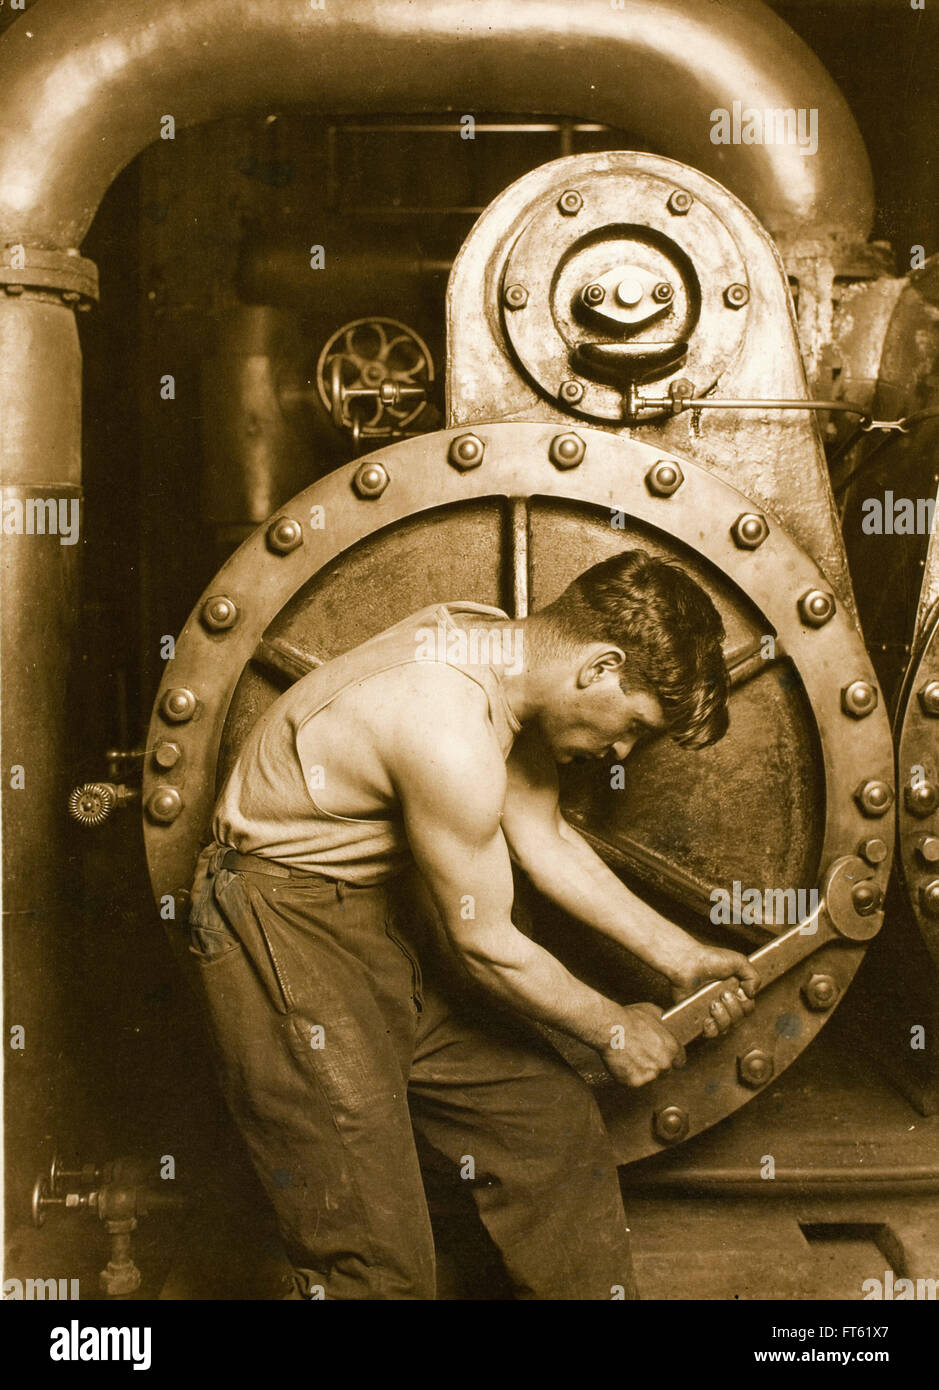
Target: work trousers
335	1048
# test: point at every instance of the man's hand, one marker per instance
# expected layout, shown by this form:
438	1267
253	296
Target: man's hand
640	1046
707	963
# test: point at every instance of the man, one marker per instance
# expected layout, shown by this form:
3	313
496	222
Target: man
353	1024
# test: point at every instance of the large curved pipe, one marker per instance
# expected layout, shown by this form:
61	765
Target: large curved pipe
87	81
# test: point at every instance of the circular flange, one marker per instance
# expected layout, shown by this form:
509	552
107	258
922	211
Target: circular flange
625	235
611	478
918	767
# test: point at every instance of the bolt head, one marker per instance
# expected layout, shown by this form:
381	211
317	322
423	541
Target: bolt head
921	798
570	202
593	294
816	607
929	699
662	293
167	754
679	202
874	798
755	1067
218	613
820	993
670	1124
283	535
927	849
874	851
515	297
664	478
466	451
866	897
164	805
736	296
929	897
571	392
567	450
178	705
370	480
859	699
749	531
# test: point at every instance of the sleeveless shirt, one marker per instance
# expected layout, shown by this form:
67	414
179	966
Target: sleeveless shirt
268	807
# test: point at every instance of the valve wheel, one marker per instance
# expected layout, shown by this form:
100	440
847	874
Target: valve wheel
363	355
91	804
802	779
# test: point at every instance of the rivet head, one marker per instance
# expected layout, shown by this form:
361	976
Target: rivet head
571	392
164	805
664	478
820	993
679	202
567	450
593	294
515	297
570	202
178	705
755	1067
929	699
218	613
874	798
167	754
736	296
670	1124
874	851
866	897
927	849
921	798
859	699
284	534
816	607
749	531
929	897
370	480
466	451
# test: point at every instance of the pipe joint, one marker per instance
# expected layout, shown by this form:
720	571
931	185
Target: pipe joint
35	270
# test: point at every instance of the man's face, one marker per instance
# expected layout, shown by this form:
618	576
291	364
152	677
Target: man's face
591	716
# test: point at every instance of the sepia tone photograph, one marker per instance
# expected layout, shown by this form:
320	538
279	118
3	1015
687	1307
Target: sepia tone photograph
470	661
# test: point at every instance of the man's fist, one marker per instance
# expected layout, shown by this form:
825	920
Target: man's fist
640	1046
707	963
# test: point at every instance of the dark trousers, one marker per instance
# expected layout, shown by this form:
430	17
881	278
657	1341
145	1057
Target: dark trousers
334	1051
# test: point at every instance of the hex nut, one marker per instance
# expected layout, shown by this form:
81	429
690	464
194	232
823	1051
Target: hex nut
820	993
749	531
218	613
736	296
664	478
927	849
874	798
859	699
921	798
679	202
670	1124
755	1067
284	534
929	897
866	897
571	392
570	202
466	451
515	297
874	851
929	699
178	705
370	481
816	607
567	450
164	805
167	754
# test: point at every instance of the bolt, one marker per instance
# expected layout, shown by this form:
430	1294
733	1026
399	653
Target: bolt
820	992
164	805
816	607
929	699
865	898
929	897
859	699
662	292
178	705
927	849
466	451
167	754
749	531
370	480
664	478
755	1067
921	798
571	392
567	450
679	202
218	613
670	1124
874	798
874	851
515	297
628	293
570	202
593	294
736	296
283	535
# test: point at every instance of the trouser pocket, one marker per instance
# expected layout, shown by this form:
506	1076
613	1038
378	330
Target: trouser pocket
417	980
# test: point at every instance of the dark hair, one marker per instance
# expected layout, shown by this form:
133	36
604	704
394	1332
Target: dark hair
669	631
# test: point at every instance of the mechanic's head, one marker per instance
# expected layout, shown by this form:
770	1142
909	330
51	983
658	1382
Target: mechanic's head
632	646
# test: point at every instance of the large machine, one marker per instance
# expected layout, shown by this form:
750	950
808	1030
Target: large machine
693	350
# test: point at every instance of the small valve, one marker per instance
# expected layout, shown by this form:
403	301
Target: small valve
92	803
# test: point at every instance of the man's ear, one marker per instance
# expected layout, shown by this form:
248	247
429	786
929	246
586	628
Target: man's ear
600	661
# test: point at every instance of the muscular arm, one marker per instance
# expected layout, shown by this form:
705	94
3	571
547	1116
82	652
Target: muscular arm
450	778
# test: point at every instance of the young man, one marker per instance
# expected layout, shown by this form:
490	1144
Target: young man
352	1023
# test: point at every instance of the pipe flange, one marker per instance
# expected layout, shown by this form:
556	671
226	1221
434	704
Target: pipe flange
918	770
28	268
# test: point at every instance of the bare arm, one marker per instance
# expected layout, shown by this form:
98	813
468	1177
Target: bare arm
450	778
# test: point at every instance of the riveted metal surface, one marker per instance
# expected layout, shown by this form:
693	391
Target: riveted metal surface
918	773
424	496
